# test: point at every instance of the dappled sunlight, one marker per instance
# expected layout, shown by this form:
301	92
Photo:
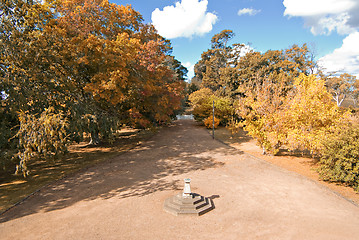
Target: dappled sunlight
151	167
82	155
13	183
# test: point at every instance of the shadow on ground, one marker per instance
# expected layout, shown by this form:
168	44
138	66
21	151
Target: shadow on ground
178	149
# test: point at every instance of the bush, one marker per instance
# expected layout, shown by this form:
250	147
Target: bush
202	103
208	122
340	158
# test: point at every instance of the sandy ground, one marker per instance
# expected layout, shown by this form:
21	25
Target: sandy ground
303	165
123	197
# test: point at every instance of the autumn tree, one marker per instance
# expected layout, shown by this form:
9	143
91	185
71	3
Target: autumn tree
202	104
229	69
262	111
117	62
241	74
299	119
93	62
312	114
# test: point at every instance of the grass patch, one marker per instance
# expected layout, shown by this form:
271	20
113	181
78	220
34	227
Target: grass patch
14	188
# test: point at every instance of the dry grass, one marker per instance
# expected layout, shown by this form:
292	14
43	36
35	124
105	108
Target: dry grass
15	188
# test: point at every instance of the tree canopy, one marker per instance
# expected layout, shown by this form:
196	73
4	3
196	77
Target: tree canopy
274	95
96	63
283	100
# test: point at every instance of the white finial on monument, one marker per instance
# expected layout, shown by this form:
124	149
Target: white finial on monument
187	188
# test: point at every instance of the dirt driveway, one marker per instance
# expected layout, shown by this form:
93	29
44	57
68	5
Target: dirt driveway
123	198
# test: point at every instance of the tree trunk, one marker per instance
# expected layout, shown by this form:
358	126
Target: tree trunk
95	139
264	150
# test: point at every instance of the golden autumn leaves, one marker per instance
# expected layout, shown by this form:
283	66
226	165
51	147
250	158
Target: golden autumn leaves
301	119
85	60
274	95
278	100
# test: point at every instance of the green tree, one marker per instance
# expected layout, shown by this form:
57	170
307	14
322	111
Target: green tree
255	67
208	69
40	136
341	87
176	66
220	40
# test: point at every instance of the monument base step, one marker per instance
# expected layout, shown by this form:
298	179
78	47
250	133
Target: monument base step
193	205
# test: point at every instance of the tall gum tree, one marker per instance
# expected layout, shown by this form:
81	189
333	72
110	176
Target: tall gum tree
341	87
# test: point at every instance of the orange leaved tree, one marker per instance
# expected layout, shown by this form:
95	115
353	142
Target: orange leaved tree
93	62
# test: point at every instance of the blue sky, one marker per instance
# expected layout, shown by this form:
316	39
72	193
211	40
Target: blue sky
329	27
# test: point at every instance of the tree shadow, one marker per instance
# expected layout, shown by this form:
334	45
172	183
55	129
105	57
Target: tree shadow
14	187
180	148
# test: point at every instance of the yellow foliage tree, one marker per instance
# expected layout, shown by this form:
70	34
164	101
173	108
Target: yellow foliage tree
312	115
262	110
298	119
202	103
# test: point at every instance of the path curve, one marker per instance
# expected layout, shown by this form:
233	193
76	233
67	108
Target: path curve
123	197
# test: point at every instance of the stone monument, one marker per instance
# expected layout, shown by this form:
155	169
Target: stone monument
188	203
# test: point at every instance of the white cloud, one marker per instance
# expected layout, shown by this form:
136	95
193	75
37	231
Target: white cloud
303	8
186	19
242	50
325	16
344	59
249	11
190	68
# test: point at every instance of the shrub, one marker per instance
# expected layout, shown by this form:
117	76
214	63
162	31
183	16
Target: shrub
208	122
202	103
340	157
